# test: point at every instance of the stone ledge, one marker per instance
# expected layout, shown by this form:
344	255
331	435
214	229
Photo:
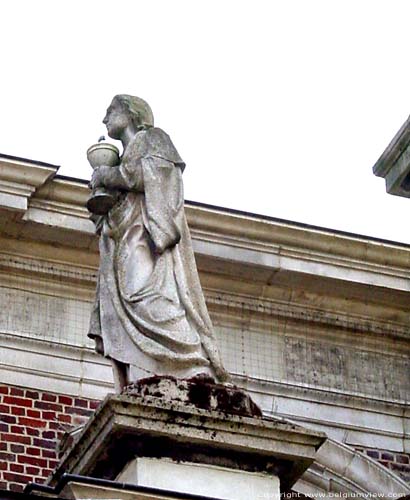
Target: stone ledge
19	179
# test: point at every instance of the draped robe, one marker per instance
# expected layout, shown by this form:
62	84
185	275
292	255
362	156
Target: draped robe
150	312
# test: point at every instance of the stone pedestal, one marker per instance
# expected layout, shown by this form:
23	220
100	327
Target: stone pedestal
169	446
206	480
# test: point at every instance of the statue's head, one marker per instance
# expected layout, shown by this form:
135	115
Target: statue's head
139	110
124	109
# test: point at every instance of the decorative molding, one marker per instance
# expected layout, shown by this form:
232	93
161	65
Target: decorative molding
61	203
262	231
340	469
321	396
354	419
232	304
18	269
270	249
54	367
19	179
78	277
394	163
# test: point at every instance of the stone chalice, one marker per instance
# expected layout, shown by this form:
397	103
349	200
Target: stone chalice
102	153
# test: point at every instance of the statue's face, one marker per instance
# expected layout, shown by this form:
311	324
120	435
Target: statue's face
116	120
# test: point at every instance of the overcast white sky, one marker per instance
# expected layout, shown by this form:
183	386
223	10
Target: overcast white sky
277	107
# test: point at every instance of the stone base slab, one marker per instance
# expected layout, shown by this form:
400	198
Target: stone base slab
200	391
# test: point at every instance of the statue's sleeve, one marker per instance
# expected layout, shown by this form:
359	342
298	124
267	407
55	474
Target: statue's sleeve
130	175
164	201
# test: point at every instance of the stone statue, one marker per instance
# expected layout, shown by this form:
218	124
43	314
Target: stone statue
150	316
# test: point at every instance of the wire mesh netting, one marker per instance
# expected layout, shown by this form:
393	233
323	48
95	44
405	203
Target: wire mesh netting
45	301
261	344
258	341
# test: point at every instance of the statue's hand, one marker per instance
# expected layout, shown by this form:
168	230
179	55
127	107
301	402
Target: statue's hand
100	175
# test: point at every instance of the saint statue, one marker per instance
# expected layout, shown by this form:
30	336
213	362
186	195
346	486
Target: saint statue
150	316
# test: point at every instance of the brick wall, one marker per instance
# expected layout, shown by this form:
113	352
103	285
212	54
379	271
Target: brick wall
31	425
399	463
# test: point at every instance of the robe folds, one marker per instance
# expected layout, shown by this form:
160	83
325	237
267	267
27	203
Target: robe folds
150	312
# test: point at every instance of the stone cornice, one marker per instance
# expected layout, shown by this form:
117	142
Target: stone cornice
67	197
271	233
394	163
244	231
61	203
263	250
19	179
393	151
248	232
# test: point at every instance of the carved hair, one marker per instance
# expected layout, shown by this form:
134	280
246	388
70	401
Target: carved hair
139	110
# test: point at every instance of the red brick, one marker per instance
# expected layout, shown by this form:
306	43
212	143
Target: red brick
64	418
94	404
32	394
49	415
46	472
12	400
49	434
4	409
18	478
45	405
52	464
17	448
387	456
48	453
32	422
16	429
15	438
399	467
3	446
4	389
81	403
33	451
402	459
45	443
17	468
4	427
8	419
9	457
34	471
65	400
18	410
34	413
373	453
3	465
49	397
37	461
15	391
32	432
16	487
